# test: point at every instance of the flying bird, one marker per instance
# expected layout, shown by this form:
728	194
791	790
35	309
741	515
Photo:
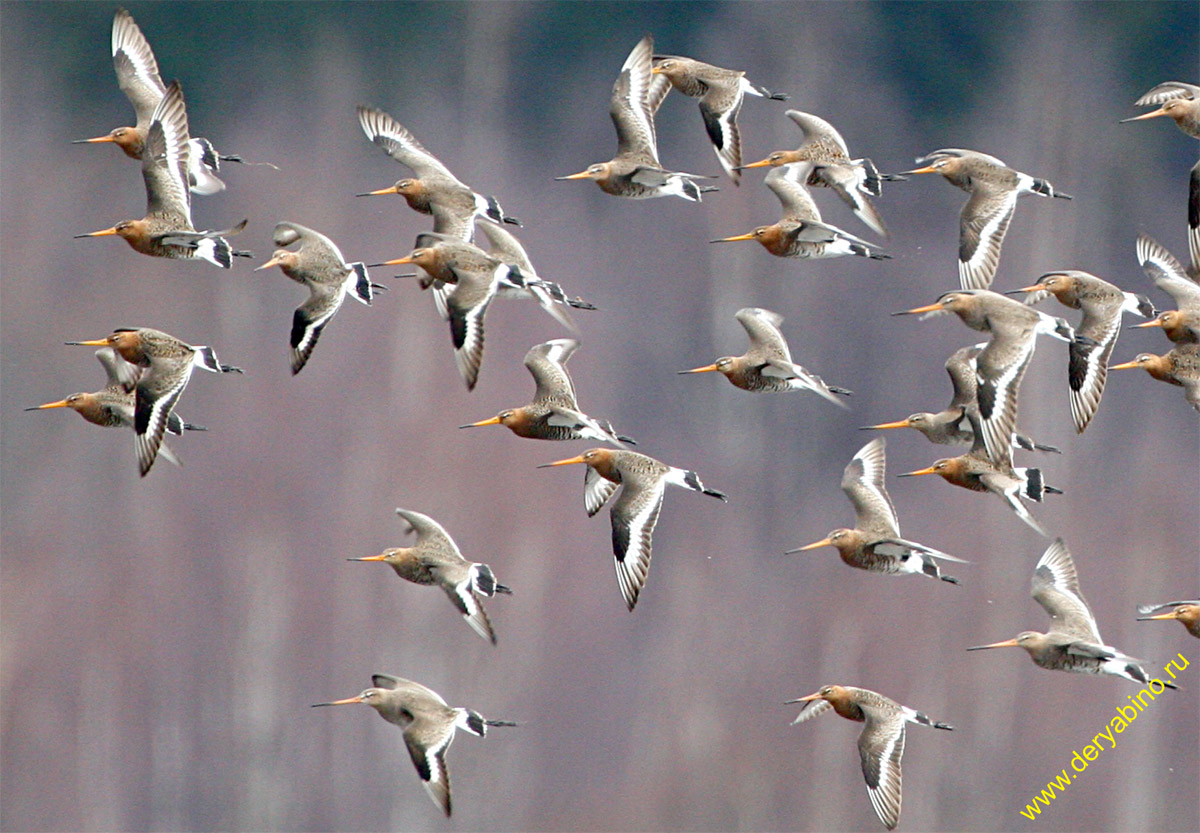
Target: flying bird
800	232
319	265
635	172
436	559
553	414
138	78
1181	325
167	365
428	724
994	188
1179	366
720	92
1181	102
767	364
1073	642
980	471
951	425
113	405
823	153
476	279
881	742
635	512
434	190
1096	335
874	544
1001	364
1176	100
167	230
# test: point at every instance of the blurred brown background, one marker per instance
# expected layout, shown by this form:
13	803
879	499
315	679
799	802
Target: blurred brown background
163	638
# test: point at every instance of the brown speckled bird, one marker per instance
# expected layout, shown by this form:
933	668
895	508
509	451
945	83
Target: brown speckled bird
881	742
643	480
767	365
1096	334
635	172
138	78
1073	642
994	188
167	230
428	725
553	414
874	544
720	92
167	365
436	559
1179	366
823	154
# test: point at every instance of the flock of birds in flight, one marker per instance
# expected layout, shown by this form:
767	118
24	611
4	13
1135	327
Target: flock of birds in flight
147	370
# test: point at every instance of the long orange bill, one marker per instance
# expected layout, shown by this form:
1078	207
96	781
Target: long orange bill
928	169
706	369
1170	615
493	421
1033	288
398	261
824	542
1123	365
1150	115
567	462
747	236
379	557
348	700
580	175
275	261
918	473
391	189
1008	643
816	695
105	138
103	233
62	403
98	342
904	423
934	307
1157	322
761	163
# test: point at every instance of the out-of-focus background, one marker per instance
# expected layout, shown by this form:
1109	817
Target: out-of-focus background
163	638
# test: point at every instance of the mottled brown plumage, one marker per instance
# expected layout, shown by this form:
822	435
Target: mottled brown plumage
1073	642
436	560
428	725
881	742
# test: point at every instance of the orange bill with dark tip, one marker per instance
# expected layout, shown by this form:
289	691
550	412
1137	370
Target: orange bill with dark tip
492	421
566	462
934	307
1008	643
824	542
904	423
391	189
747	236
